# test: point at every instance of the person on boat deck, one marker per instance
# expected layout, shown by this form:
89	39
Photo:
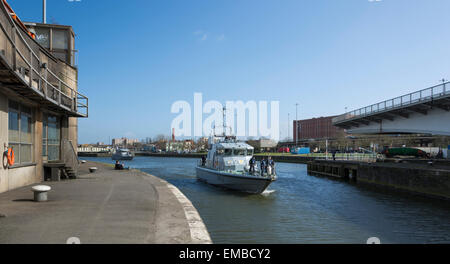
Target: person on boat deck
271	164
203	160
263	165
252	165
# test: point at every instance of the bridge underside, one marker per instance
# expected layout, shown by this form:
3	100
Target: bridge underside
425	118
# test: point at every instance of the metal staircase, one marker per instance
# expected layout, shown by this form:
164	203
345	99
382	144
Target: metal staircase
71	161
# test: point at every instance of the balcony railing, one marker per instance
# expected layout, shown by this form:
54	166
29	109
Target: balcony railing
38	69
422	96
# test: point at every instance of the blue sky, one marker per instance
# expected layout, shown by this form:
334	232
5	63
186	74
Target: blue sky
137	57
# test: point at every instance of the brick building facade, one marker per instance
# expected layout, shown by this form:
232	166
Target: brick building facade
315	128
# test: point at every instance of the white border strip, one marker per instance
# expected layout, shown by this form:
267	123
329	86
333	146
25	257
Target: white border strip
199	233
198	230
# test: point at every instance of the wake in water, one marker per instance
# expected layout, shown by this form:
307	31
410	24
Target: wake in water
267	192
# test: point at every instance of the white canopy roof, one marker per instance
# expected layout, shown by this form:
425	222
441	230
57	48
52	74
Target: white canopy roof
237	145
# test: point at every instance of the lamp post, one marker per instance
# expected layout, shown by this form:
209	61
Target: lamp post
443	83
296	125
289	127
44	11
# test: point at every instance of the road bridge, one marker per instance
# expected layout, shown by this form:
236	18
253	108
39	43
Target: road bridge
423	112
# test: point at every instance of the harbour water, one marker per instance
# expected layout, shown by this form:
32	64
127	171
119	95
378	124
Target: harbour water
299	208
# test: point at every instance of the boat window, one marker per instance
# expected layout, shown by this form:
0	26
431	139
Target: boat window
249	152
228	152
240	152
220	151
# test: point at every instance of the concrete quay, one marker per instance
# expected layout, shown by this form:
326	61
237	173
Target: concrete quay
105	207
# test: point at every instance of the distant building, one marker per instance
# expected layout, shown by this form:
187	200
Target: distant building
202	144
315	128
130	141
117	141
180	146
93	149
262	145
124	141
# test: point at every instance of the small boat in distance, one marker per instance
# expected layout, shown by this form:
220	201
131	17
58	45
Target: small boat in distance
122	154
227	165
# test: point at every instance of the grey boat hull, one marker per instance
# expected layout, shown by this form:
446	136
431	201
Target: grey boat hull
120	157
244	183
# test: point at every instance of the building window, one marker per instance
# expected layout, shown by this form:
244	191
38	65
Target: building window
43	37
20	132
51	138
60	39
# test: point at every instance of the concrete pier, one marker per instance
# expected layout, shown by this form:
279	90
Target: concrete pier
106	207
428	180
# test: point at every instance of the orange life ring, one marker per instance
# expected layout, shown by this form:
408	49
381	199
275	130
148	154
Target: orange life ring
10	156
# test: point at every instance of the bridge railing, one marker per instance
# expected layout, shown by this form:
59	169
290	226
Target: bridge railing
425	95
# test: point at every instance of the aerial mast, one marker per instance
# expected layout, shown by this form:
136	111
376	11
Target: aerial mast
224	121
44	11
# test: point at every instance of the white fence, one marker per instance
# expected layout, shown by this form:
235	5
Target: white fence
93	150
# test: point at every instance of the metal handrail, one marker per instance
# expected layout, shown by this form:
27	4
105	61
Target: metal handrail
363	157
73	150
72	93
71	159
425	95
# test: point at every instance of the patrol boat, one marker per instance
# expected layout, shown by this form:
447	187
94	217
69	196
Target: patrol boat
122	154
227	165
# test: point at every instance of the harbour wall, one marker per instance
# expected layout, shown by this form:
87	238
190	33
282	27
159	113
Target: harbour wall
424	180
276	158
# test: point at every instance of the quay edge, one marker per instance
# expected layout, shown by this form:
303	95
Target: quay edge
199	232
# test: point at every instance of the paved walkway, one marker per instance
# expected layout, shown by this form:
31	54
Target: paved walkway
104	207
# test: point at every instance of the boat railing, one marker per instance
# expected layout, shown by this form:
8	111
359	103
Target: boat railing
256	172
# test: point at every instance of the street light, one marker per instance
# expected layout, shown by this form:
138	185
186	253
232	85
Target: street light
44	11
296	125
289	127
443	83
